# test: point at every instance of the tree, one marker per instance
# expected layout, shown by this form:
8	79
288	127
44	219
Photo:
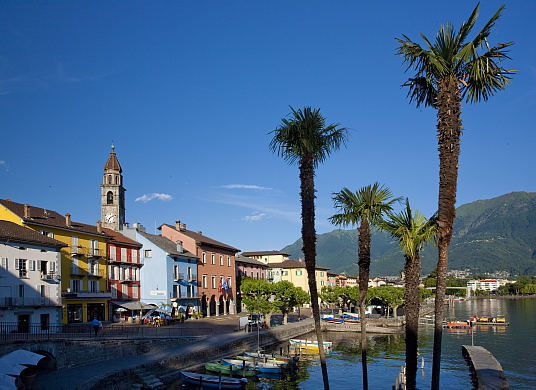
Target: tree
305	139
413	230
257	296
364	207
447	71
287	297
392	297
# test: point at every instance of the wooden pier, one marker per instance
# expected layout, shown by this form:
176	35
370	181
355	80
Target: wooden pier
487	371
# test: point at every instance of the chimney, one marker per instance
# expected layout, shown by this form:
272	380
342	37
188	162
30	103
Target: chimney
300	259
179	247
99	226
200	232
178	225
125	225
26	211
68	219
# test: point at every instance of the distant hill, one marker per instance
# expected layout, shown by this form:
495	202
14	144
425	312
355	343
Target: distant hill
490	235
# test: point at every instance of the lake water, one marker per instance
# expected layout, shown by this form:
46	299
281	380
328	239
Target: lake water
514	346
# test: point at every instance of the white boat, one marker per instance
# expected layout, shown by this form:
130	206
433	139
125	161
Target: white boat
309	344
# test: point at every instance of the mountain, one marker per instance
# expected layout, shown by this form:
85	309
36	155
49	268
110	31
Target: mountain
497	234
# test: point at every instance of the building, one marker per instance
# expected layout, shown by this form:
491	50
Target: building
30	293
295	272
267	257
486	284
112	194
246	266
84	282
216	269
332	279
124	265
169	274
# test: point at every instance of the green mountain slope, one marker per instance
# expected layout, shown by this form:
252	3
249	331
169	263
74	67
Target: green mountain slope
490	235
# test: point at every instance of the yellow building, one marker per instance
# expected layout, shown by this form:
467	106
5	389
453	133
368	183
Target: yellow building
84	281
295	272
267	257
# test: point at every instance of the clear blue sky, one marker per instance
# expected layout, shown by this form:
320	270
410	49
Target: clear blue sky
188	92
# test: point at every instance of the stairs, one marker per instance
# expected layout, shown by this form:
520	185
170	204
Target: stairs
149	380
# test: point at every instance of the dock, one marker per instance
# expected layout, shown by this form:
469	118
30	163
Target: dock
486	371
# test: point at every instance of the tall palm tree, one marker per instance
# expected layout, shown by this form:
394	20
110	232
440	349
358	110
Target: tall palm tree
412	229
364	207
448	71
304	138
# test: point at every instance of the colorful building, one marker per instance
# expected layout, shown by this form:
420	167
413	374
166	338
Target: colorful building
30	293
84	282
216	268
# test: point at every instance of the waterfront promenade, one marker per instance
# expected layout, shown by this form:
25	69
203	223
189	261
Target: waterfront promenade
117	373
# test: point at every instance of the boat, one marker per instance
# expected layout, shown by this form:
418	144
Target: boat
213	381
309	344
333	320
261	360
261	367
268	356
456	324
230	370
500	321
350	316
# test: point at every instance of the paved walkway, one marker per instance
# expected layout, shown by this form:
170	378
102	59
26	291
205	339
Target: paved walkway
224	330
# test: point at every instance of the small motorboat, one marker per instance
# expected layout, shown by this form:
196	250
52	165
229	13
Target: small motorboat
261	360
204	380
230	370
309	344
261	367
269	356
456	324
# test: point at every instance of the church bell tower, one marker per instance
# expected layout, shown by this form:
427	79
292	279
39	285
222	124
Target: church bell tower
112	194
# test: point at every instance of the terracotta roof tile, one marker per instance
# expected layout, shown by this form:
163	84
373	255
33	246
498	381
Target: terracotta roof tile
13	232
204	240
118	237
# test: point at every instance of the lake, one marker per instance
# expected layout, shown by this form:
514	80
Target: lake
514	346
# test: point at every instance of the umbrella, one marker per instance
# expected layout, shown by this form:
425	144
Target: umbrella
10	368
7	382
21	356
121	309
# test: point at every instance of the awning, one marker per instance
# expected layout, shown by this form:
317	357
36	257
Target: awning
135	305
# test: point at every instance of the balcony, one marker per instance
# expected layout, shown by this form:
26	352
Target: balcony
177	297
95	273
27	302
95	252
87	294
192	278
178	277
50	277
128	279
77	271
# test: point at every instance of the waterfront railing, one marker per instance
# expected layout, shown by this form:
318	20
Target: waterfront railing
17	331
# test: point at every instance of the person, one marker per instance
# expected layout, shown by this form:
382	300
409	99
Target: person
96	325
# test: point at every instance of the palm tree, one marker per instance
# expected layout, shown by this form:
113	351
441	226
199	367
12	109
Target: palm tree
365	206
412	229
305	139
448	71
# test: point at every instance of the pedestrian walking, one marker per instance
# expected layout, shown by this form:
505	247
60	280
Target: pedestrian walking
96	325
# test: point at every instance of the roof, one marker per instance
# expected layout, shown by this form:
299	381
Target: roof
167	245
112	163
201	239
293	264
119	238
265	253
248	260
10	231
47	217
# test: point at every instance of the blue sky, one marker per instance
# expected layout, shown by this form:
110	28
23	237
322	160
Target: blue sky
188	92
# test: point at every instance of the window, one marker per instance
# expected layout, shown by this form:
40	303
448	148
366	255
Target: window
48	234
257	275
42	290
204	257
229	283
3	267
20	264
124	254
221	260
321	273
124	291
93	286
176	291
213	281
93	247
32	265
113	290
109	198
204	281
212	259
111	272
113	254
76	285
21	290
321	282
135	292
228	261
284	273
147	253
93	267
299	272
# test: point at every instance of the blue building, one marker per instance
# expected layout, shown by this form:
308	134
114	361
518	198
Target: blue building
169	275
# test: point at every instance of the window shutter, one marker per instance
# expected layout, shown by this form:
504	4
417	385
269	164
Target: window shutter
39	265
16	263
53	266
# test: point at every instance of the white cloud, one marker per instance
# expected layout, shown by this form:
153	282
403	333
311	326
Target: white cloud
148	197
246	186
254	217
2	162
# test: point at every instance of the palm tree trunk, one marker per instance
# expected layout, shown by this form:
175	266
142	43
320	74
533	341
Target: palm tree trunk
413	302
449	129
364	271
309	250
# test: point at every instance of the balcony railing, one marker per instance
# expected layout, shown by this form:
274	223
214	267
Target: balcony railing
87	294
77	271
84	250
95	273
27	302
51	276
178	276
192	278
183	296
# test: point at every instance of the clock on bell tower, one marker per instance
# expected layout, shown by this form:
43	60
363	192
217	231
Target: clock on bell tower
112	194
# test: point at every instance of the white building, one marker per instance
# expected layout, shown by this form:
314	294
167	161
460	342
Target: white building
30	293
486	284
